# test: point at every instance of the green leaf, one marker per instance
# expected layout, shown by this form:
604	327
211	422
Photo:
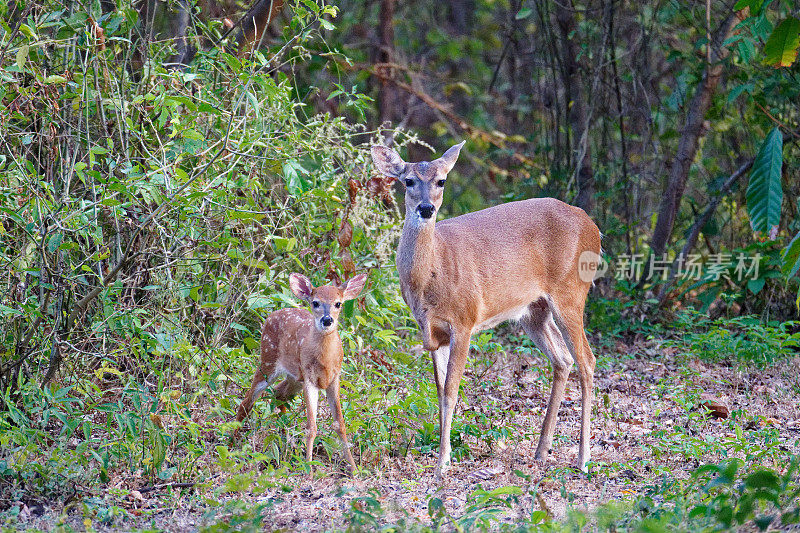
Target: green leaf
763	479
27	31
791	257
738	90
754	5
239	327
755	285
253	103
781	47
8	311
292	172
244	215
159	450
250	342
22	56
502	491
349	307
764	192
55	78
524	13
54	242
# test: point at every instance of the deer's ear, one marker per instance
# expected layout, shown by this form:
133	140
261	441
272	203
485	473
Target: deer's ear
354	287
388	162
301	286
448	160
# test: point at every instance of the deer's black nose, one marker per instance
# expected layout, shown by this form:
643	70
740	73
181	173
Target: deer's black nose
326	321
425	210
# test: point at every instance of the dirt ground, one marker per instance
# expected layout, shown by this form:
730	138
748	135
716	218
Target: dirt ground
642	395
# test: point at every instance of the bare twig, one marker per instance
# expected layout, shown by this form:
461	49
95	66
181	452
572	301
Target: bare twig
160	486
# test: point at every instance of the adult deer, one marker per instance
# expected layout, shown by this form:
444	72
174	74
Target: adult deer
531	261
305	347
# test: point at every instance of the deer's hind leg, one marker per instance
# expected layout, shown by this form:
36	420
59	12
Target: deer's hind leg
568	310
263	378
545	333
286	390
586	367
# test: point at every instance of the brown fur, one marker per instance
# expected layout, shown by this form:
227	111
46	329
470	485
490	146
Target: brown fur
294	345
512	261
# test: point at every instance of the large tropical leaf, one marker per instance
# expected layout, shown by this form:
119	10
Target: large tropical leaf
791	257
764	193
781	47
754	5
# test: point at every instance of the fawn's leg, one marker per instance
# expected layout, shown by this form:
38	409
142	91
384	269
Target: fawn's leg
332	393
311	397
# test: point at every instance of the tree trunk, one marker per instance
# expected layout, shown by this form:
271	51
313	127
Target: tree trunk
460	15
573	84
690	137
387	100
166	21
255	22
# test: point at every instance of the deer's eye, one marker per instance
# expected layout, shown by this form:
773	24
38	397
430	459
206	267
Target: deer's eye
315	304
440	183
338	305
409	182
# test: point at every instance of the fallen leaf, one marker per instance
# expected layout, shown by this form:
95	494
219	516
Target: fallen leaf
345	234
718	408
485	474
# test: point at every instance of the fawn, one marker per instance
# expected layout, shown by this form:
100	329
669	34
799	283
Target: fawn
532	261
305	348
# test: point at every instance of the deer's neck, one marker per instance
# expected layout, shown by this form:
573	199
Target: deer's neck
323	342
416	254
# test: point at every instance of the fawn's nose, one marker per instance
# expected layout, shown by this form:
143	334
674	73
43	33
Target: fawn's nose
425	210
326	321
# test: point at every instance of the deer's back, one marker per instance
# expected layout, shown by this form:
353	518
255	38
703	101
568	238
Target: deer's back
512	254
281	336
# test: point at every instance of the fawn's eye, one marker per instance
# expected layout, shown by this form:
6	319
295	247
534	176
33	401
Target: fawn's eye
440	183
315	304
409	182
338	305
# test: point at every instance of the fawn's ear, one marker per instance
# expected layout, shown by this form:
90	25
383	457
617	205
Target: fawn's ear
354	286
388	162
448	160
301	286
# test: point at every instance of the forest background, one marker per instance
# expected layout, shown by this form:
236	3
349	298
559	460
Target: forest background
166	165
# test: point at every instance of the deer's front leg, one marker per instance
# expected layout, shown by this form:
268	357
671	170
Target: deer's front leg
441	357
332	392
311	397
457	360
